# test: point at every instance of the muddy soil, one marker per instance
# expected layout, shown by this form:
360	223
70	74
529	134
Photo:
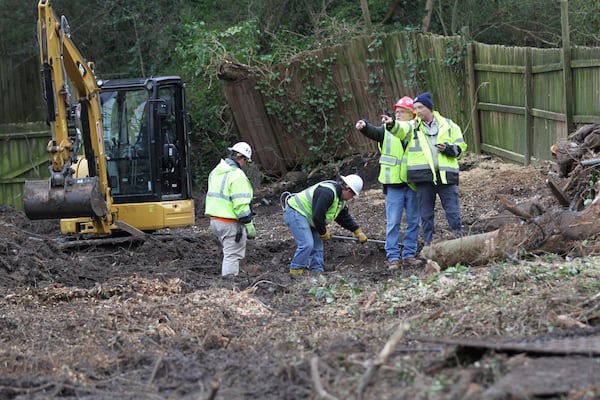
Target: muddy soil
155	320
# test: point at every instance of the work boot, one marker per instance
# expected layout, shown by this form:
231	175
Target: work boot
393	265
412	262
298	271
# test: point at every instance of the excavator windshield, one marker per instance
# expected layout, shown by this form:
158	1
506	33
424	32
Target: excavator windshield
125	121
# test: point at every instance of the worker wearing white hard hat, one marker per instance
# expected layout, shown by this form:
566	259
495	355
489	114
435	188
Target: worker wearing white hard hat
308	213
228	201
242	148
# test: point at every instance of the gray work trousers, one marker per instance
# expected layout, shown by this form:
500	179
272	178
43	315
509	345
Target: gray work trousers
233	251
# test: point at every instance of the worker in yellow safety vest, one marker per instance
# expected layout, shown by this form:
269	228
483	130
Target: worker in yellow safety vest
228	203
308	213
435	144
399	194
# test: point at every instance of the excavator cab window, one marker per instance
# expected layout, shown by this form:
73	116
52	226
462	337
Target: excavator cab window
126	138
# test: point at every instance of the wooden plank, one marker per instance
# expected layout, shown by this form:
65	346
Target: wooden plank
540	69
473	89
586	119
501	108
548	115
528	84
591	63
503	153
509	69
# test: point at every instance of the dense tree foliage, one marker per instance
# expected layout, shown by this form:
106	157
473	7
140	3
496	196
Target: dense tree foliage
192	38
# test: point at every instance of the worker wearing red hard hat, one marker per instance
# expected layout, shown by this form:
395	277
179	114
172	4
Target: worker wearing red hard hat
435	144
404	106
399	195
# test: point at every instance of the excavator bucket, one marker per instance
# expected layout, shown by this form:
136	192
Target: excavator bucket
77	198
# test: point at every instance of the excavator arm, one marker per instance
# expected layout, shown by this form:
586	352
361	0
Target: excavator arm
74	115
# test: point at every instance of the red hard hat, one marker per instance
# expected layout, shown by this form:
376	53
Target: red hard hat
405	102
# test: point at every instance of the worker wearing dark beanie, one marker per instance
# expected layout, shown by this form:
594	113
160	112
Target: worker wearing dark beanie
425	99
435	143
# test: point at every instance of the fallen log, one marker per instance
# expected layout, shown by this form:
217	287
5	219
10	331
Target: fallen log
552	232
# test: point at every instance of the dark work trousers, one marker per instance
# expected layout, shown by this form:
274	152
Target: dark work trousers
426	196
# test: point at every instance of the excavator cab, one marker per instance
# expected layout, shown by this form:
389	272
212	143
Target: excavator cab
145	139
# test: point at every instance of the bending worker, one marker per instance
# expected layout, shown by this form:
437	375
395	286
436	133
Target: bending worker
228	202
399	194
308	213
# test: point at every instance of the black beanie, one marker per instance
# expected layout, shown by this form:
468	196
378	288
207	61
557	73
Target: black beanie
425	99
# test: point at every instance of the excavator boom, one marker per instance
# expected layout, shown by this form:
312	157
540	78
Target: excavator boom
72	99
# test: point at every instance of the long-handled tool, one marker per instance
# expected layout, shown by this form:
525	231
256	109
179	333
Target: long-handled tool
356	239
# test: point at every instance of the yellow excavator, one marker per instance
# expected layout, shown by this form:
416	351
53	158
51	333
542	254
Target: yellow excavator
119	155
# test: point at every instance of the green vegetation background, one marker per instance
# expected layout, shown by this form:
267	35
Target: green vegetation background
191	38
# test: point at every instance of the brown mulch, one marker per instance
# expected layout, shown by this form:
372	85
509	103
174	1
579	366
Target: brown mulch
155	321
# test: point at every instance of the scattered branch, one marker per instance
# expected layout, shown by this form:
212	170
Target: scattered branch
381	359
314	373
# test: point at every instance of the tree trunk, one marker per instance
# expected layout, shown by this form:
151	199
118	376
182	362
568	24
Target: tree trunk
553	232
364	5
427	18
233	71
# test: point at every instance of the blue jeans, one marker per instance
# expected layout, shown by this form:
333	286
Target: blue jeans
396	201
426	195
309	253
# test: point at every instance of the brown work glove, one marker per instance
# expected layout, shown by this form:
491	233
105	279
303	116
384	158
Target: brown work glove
362	238
326	236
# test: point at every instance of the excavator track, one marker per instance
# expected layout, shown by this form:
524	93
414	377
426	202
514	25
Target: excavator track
78	242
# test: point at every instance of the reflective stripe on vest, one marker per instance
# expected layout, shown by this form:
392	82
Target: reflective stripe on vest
392	165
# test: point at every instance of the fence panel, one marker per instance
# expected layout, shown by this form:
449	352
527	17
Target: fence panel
500	73
549	101
586	81
23	157
363	78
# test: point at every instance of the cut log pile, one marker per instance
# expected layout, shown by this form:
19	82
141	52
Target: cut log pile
577	158
558	231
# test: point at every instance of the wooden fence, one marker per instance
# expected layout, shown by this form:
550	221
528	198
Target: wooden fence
368	77
513	102
23	138
23	157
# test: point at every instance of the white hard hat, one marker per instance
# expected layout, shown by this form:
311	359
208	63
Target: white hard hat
354	182
243	148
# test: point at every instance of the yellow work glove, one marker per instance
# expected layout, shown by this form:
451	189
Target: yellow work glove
250	230
362	238
326	236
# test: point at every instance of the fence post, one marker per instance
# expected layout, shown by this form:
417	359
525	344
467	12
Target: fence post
473	99
566	61
528	82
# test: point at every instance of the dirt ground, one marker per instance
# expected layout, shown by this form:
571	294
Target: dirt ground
155	320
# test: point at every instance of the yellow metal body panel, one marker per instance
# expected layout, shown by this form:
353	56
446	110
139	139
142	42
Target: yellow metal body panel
144	216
